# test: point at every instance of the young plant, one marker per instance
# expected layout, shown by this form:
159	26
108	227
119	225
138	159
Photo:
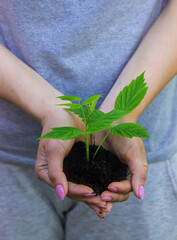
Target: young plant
95	120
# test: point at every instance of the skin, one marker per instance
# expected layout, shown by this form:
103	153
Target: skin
39	102
18	80
158	46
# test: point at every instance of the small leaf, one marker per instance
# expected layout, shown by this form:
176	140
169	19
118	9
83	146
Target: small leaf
71	105
70	98
129	130
92	100
79	112
105	121
131	96
63	133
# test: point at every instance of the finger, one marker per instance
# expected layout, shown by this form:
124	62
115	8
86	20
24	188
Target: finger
139	170
55	153
42	174
97	210
101	215
94	200
94	208
108	208
114	197
85	194
41	166
120	187
79	190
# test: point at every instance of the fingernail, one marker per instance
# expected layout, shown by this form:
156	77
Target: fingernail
89	194
141	192
97	212
101	206
113	189
107	212
107	199
60	192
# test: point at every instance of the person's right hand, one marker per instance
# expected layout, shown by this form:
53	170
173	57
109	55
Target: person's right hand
49	163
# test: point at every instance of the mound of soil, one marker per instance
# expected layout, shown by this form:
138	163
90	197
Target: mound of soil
98	173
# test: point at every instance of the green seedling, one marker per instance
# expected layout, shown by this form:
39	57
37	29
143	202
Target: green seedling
95	120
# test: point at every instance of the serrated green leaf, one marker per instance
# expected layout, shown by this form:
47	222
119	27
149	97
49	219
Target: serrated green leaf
105	121
71	105
63	133
129	130
131	96
92	100
70	98
95	115
79	112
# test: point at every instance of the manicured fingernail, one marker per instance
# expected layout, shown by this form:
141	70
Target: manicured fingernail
60	192
101	206
89	194
107	199
107	212
98	212
113	189
141	192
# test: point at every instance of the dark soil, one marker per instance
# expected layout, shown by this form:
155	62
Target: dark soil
97	173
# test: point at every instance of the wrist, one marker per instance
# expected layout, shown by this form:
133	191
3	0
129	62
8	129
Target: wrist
46	103
52	110
129	118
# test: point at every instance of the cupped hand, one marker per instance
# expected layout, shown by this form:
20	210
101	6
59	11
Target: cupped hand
49	163
132	153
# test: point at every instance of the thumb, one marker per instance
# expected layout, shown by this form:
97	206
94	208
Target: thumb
139	170
55	154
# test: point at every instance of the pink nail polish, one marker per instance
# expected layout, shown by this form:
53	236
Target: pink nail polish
99	213
101	206
89	194
60	192
113	189
107	211
141	192
107	199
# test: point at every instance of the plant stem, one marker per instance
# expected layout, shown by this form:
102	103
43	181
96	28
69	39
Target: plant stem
89	114
85	122
87	147
86	136
100	144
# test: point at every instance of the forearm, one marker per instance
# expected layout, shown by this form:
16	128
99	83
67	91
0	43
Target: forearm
23	87
157	55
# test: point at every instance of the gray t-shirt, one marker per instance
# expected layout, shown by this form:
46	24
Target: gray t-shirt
80	47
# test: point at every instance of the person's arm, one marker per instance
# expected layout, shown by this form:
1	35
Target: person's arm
157	56
25	88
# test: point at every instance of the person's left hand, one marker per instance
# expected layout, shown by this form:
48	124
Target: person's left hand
132	153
